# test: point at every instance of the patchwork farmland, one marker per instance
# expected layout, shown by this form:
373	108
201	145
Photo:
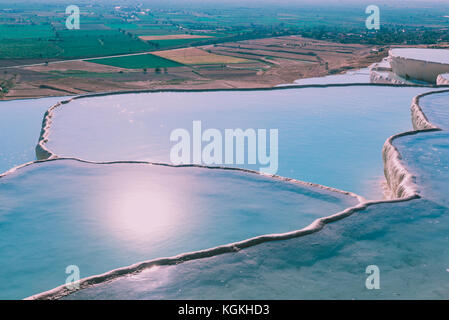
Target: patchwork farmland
196	56
133	47
138	61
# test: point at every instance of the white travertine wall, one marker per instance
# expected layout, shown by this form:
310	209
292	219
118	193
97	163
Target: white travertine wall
420	64
443	79
385	77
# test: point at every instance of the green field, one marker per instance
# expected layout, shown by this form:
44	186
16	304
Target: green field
124	26
94	43
28	48
38	42
18	32
140	61
175	43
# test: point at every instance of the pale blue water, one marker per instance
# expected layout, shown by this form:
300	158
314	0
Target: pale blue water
436	109
427	156
20	124
408	241
431	150
331	136
101	217
351	76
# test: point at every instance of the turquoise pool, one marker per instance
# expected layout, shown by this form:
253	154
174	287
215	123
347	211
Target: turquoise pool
100	217
333	141
20	123
105	216
408	241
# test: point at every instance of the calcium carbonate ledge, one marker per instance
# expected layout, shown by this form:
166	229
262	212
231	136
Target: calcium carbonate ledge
443	79
419	119
385	77
425	67
400	181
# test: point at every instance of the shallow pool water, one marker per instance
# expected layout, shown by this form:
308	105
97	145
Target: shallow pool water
436	108
407	241
331	136
20	123
100	217
427	156
351	76
104	216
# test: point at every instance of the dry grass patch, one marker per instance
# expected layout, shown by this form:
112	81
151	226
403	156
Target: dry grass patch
194	56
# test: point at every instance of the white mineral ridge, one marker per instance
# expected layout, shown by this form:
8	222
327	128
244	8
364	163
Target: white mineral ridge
420	64
443	79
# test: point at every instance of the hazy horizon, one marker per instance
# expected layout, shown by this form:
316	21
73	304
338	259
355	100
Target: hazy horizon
239	3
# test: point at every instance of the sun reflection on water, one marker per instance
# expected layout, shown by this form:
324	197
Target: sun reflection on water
138	207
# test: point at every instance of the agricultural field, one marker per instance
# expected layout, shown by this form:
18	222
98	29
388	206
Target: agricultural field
20	32
322	54
140	61
206	67
94	43
196	56
213	46
173	37
38	31
45	43
27	41
173	43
